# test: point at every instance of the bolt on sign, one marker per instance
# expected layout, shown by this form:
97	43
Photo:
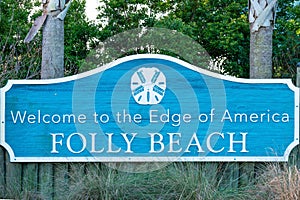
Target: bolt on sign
147	108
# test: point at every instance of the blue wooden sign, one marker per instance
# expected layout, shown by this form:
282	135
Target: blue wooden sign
148	108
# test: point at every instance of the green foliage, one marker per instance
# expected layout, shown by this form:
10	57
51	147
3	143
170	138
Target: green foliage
117	16
221	27
79	34
17	60
286	40
147	40
23	61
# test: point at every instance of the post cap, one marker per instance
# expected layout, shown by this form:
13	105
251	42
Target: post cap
298	64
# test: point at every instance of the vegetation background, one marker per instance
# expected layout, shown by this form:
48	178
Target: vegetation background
221	27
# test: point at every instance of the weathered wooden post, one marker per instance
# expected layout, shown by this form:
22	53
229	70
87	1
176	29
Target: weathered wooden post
298	85
54	12
298	74
53	44
261	18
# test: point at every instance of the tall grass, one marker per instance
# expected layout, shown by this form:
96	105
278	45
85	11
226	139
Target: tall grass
279	182
197	181
14	191
176	181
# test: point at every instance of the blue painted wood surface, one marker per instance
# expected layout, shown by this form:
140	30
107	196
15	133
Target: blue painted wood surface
189	91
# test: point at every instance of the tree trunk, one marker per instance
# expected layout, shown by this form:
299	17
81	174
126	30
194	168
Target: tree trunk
52	67
53	49
261	53
261	18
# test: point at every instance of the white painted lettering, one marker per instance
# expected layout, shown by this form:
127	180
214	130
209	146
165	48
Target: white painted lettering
254	117
128	142
152	116
187	118
83	140
137	118
158	142
226	116
18	116
172	142
93	141
209	142
195	139
232	142
110	144
285	117
54	141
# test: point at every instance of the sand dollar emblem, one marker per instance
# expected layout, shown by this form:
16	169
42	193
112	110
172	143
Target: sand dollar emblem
148	86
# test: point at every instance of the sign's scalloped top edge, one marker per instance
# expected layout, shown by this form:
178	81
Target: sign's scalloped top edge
150	56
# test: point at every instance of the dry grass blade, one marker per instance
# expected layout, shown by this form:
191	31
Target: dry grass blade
280	183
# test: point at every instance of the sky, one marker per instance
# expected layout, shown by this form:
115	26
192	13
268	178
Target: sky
90	9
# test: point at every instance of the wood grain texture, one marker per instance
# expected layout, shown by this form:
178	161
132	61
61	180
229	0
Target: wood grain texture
61	181
30	180
53	181
261	53
13	178
46	180
53	49
234	107
2	171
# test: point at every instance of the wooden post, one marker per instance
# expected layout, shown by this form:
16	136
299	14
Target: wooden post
46	183
2	167
296	155
261	18
61	181
298	74
30	180
261	53
2	171
54	12
52	67
53	49
13	178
